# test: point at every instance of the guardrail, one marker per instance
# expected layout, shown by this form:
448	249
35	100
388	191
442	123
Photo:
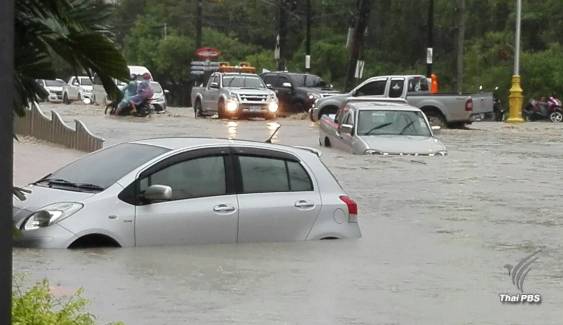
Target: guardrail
36	124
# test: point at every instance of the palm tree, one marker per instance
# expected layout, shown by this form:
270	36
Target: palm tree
73	30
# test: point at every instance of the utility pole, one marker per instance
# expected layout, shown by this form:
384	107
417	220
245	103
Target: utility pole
460	44
308	39
363	9
282	33
199	10
429	49
6	152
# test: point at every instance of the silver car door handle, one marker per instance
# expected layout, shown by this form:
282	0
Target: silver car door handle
304	204
223	208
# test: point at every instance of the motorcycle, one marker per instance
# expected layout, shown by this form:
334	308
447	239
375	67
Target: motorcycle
543	110
114	108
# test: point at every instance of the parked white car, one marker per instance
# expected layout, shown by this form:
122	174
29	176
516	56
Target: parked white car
54	88
178	191
78	88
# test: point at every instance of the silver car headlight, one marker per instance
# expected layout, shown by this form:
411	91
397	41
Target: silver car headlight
50	214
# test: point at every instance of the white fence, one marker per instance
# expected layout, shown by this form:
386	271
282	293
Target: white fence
36	124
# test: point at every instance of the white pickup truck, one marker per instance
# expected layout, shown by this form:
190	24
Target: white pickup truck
232	94
441	109
78	88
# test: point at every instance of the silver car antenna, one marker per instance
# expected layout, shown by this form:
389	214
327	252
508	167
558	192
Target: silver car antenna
269	140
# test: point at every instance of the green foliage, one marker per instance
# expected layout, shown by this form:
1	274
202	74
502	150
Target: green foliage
38	306
48	31
395	43
542	72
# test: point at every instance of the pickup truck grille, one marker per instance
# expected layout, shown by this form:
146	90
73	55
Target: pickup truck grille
253	98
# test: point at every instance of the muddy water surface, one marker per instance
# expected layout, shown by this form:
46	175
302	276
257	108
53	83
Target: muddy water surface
437	232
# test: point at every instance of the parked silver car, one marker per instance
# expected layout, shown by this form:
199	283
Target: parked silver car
380	126
177	191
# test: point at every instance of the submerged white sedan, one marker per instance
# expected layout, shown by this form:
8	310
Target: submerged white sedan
380	127
178	191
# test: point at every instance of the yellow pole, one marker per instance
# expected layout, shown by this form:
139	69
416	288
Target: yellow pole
515	100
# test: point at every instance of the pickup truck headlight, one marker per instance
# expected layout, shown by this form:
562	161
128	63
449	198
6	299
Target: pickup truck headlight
51	214
273	107
231	106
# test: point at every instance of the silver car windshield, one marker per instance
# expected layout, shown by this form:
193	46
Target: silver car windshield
243	82
379	122
103	168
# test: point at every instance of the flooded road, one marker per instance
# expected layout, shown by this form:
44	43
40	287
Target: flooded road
437	233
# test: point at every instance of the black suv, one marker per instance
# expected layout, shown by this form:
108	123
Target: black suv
297	91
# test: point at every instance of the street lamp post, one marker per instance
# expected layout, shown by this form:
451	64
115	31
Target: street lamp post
515	98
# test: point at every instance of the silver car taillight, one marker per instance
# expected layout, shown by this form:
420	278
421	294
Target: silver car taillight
352	208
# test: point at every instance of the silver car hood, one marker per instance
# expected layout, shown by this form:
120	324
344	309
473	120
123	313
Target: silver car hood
41	196
403	144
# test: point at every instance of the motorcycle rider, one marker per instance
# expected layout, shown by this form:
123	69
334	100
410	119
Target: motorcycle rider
144	92
129	91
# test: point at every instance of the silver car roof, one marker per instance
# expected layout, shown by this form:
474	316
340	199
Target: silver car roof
177	143
383	106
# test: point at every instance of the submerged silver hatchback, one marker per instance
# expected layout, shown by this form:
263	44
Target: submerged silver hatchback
179	191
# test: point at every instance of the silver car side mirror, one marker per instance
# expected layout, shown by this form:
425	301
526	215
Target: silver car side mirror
346	128
214	85
158	193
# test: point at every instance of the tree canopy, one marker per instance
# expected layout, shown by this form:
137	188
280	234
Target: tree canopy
161	35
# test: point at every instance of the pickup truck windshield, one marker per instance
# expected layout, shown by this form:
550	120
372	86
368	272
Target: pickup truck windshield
243	82
307	80
372	122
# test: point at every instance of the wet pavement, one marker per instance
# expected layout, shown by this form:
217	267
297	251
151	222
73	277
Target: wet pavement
437	233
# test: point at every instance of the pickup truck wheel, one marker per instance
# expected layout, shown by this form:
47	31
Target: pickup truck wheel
221	110
65	99
436	119
299	106
197	109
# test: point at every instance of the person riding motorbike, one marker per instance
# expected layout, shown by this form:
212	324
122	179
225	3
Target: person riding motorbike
135	96
144	93
124	107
